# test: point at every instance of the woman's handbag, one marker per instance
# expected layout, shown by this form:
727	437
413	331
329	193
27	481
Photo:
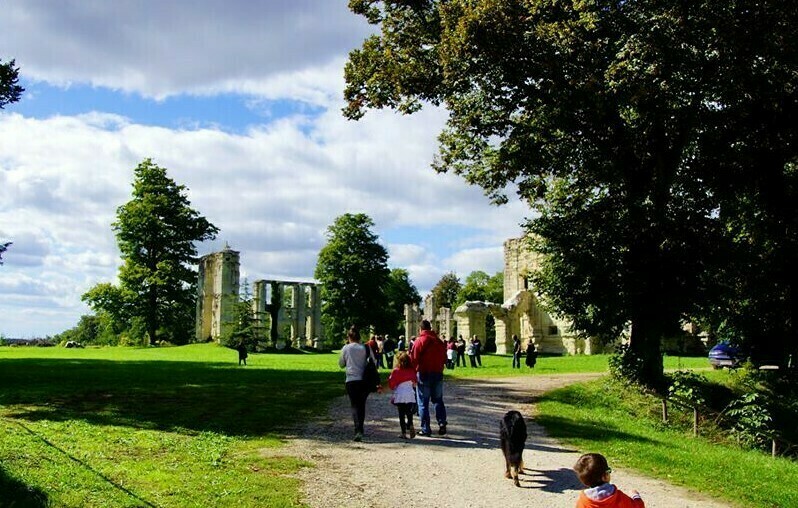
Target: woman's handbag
370	374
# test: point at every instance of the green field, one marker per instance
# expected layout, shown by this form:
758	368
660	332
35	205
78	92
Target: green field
179	426
626	427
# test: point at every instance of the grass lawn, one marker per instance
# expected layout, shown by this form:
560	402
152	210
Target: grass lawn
153	427
178	426
601	417
501	365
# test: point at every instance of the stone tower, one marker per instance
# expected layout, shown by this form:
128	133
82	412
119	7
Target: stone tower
217	296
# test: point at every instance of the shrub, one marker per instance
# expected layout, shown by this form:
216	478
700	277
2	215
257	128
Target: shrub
752	420
625	365
689	387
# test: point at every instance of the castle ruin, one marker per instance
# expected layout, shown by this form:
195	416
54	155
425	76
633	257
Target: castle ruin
283	310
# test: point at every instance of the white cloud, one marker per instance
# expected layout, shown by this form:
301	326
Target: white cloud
272	191
155	48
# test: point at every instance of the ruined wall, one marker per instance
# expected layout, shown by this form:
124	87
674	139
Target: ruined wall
519	261
217	293
523	314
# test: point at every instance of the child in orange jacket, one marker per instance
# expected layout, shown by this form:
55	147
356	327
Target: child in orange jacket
593	470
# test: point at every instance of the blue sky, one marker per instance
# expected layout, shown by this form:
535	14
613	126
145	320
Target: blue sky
241	102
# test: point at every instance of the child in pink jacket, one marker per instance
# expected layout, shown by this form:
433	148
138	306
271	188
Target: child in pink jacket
403	381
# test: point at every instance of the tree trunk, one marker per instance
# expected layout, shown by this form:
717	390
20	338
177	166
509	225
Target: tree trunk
645	344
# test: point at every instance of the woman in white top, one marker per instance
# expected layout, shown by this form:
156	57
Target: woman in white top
353	358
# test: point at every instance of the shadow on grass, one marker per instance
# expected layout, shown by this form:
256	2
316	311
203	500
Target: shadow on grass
17	494
566	428
165	395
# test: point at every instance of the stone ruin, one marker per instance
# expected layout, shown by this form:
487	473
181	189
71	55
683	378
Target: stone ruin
521	313
283	310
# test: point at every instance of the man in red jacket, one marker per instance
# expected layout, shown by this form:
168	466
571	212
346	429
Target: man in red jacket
429	356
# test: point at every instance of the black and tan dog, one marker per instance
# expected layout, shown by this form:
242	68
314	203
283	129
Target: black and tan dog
513	438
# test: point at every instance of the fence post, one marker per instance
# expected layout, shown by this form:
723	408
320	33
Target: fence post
695	421
774	451
664	410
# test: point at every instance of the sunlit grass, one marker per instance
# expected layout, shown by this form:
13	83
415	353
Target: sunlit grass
174	426
624	426
165	427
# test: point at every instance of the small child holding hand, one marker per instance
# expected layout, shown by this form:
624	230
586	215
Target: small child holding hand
593	470
402	381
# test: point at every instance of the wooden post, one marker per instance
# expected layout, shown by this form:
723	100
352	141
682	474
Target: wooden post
774	451
664	410
695	421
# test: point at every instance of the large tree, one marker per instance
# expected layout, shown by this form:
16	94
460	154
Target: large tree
479	286
157	232
353	271
399	291
445	291
633	127
10	91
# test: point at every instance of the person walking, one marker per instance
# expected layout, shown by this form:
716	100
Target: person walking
477	350
516	352
389	350
353	358
461	351
403	381
429	357
451	353
380	352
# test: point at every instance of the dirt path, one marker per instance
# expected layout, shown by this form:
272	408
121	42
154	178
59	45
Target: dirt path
463	469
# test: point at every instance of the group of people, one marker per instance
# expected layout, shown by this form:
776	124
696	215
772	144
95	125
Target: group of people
416	380
458	350
384	348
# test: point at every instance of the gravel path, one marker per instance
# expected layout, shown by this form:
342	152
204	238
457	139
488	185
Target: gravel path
465	468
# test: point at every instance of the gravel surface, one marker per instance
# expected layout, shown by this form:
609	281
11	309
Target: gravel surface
465	468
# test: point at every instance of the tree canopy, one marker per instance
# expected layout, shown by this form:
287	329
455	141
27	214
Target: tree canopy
353	271
650	136
10	91
156	232
399	291
446	290
481	287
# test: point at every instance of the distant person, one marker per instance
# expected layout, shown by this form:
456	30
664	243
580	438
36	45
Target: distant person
403	382
477	350
451	353
531	354
372	344
389	351
594	472
429	356
517	352
461	351
353	358
471	349
242	353
401	344
380	354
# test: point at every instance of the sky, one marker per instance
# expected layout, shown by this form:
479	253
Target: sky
241	102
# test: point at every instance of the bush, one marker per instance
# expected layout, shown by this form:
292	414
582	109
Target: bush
689	387
752	420
625	365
